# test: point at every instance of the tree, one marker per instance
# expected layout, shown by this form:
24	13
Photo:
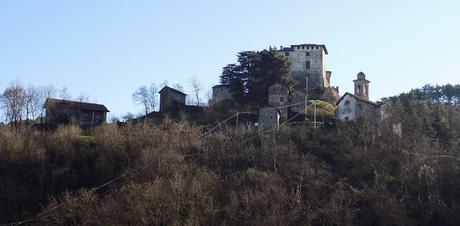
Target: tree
147	96
83	97
254	73
196	89
32	99
13	101
64	93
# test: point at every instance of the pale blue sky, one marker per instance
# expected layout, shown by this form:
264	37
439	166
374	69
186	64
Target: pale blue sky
109	48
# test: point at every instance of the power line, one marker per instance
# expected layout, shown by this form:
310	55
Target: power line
40	215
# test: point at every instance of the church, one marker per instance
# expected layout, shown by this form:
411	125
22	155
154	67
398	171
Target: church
356	106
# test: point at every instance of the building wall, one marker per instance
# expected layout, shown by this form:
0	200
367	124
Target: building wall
298	59
355	109
297	97
277	95
346	111
169	99
268	118
61	115
221	93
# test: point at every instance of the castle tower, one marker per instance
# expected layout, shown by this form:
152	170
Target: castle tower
362	86
308	60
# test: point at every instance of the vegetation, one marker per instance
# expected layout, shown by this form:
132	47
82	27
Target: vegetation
170	174
255	72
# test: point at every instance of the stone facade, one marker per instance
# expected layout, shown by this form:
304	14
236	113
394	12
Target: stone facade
268	118
278	95
362	86
221	93
308	60
171	99
73	112
352	107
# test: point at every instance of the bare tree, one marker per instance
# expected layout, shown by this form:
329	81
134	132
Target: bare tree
64	93
196	89
179	87
163	84
13	100
209	96
147	96
44	92
32	101
82	98
153	96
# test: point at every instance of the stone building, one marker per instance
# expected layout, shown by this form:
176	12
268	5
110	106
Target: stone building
73	112
278	95
352	107
171	99
268	118
308	60
221	93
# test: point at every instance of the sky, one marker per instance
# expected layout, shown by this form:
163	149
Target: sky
106	49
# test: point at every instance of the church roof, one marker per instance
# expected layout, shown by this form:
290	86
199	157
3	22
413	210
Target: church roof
361	77
358	99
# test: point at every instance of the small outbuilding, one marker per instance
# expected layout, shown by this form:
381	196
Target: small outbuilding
269	118
221	93
171	99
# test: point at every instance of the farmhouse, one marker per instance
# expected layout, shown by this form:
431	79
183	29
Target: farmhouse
73	112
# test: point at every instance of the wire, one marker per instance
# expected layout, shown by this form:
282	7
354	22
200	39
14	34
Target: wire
40	215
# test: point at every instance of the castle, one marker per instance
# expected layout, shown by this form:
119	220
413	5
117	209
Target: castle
308	65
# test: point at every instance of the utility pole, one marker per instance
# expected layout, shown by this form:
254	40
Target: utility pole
306	97
237	114
314	115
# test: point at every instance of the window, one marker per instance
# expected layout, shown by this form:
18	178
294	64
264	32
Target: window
286	53
307	54
307	64
303	47
282	99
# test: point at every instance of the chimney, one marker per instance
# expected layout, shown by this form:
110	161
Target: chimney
328	76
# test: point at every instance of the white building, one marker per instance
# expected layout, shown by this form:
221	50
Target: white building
351	107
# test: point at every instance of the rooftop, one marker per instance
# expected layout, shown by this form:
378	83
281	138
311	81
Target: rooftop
75	104
305	45
357	98
167	88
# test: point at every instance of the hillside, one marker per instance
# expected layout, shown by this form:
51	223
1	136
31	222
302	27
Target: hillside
170	174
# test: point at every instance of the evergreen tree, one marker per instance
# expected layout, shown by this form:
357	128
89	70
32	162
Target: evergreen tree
255	72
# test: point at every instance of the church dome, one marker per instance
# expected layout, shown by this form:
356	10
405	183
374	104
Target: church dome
361	75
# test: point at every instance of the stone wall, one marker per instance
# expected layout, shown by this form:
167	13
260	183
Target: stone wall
269	118
221	93
307	60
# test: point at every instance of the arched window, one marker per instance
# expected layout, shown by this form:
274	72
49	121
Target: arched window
358	89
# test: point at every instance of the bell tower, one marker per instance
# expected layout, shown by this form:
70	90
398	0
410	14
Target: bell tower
362	86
